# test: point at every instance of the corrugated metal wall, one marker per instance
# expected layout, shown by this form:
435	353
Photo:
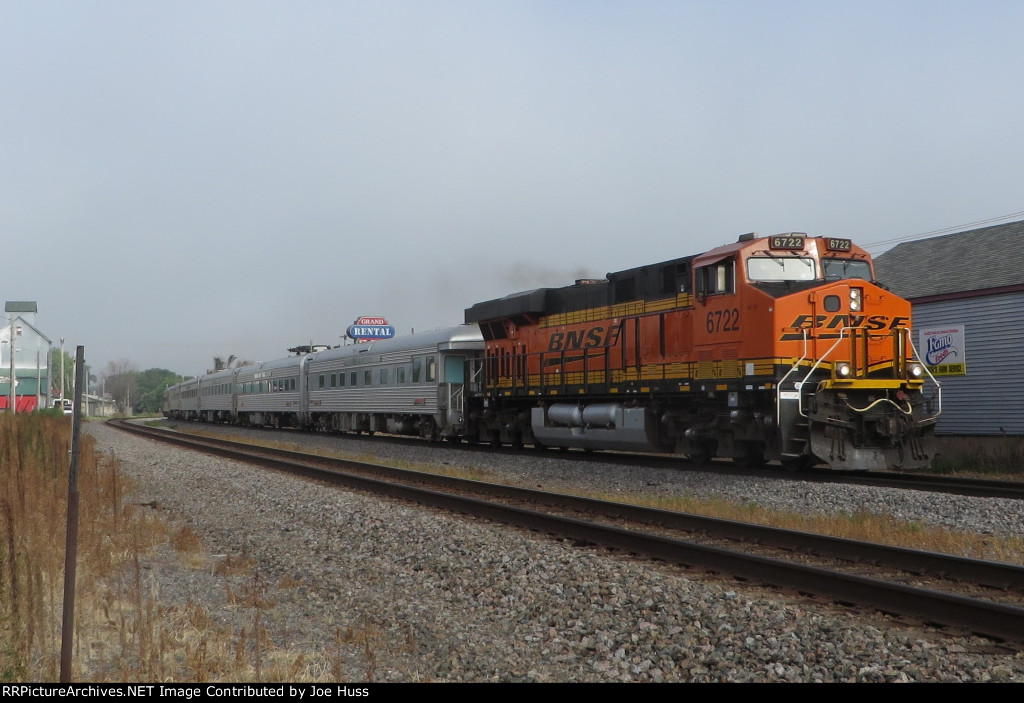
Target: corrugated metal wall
989	400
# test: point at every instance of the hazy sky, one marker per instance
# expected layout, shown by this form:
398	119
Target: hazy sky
187	179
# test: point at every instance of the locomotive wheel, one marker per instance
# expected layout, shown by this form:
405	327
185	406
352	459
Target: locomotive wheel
752	457
700	455
800	463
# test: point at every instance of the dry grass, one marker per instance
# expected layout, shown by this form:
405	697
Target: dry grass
859	525
124	630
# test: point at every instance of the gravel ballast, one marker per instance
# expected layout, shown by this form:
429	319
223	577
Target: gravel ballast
439	597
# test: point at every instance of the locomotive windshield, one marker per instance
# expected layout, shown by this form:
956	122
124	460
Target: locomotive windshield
846	268
780	268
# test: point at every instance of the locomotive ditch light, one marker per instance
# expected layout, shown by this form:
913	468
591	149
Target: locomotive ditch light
856	301
915	371
844	370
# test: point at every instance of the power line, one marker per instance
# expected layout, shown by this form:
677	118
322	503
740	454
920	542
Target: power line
945	230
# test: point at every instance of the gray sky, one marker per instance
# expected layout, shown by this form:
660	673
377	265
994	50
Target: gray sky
187	179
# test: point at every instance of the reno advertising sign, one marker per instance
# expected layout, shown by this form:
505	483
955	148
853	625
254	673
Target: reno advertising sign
367	328
943	351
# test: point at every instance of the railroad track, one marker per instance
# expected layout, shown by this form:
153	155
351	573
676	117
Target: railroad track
967	595
973	487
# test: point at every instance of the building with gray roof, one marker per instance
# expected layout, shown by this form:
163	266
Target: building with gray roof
967	290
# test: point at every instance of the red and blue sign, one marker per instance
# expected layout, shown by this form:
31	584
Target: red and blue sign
370	328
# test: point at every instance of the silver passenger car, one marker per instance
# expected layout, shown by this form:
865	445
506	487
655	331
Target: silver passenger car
216	396
416	384
420	384
181	401
268	393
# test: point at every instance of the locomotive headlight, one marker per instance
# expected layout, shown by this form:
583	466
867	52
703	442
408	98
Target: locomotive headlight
915	370
844	370
856	302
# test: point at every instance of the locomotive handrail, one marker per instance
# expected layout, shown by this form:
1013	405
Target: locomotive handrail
800	398
938	386
904	332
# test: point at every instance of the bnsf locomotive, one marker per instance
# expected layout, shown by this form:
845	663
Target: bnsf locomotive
773	348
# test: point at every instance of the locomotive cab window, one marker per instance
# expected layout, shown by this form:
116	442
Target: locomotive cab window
780	268
719	277
846	268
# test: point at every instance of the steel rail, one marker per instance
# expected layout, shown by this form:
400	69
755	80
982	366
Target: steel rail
1000	621
953	485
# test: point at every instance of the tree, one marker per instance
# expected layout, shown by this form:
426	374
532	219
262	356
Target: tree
119	380
55	372
232	362
219	363
151	386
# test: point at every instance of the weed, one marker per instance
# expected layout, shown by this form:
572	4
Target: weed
123	632
981	455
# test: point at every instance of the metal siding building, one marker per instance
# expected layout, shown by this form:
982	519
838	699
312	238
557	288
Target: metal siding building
31	358
989	400
974	279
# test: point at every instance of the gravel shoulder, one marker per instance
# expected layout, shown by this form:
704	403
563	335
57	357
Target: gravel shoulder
387	591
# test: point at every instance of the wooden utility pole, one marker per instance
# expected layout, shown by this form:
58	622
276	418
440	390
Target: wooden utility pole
71	541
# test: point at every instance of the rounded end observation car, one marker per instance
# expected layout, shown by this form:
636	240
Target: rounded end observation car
778	347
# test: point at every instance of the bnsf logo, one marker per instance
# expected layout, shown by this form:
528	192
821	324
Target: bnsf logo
837	322
583	339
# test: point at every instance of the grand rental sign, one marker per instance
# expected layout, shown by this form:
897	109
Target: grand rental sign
369	328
